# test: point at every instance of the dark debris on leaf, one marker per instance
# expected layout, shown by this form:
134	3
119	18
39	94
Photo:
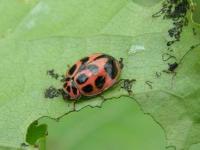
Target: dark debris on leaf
52	92
172	66
149	83
52	74
55	75
175	10
194	31
127	85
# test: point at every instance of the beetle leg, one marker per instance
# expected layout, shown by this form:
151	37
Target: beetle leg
74	105
121	63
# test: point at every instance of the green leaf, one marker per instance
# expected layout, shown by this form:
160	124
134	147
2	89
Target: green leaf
53	34
36	132
195	4
118	120
175	105
85	18
14	12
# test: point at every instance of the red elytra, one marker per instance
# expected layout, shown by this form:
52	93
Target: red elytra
92	75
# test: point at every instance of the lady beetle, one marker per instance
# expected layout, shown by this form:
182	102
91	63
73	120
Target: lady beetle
91	76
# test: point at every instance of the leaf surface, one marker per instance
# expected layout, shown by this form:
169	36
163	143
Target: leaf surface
53	34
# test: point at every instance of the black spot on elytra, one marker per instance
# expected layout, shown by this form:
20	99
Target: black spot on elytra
104	56
111	68
88	88
74	89
99	82
101	56
82	78
84	60
68	89
93	68
72	69
82	67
